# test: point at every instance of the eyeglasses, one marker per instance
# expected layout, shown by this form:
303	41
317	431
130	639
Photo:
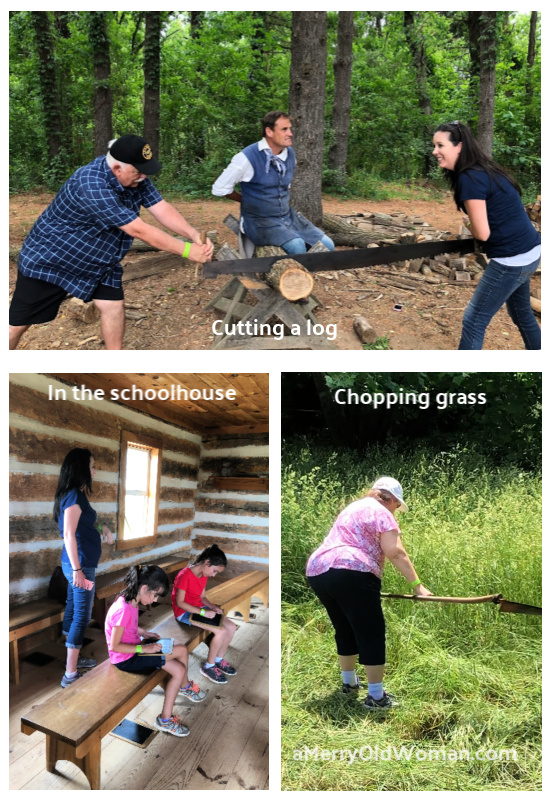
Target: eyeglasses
457	123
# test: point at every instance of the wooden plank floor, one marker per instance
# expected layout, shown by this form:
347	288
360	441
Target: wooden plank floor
226	749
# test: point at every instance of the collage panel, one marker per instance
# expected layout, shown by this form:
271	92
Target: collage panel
275	180
411	563
138	580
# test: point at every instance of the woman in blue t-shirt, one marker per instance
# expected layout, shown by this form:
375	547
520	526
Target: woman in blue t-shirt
492	199
81	551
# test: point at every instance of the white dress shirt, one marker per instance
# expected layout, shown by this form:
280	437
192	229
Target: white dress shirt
240	170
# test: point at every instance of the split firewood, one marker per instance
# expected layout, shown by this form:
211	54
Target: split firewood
269	250
364	330
536	305
82	312
425	270
458	264
226	253
291	279
342	233
462	276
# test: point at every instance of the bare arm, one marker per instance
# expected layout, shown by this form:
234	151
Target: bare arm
394	551
163	241
121	647
208	604
237	196
71	516
479	223
180	600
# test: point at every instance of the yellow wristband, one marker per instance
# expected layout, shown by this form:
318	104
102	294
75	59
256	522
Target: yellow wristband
138	648
186	250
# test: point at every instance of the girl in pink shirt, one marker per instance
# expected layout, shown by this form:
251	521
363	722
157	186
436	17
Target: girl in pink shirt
345	573
145	584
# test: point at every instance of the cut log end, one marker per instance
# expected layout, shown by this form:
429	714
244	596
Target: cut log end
291	279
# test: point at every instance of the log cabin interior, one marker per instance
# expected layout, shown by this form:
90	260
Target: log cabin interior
210	435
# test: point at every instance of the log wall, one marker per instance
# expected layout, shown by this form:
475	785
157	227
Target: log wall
42	432
236	519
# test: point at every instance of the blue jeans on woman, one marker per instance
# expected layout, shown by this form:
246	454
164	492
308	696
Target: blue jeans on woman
78	611
501	284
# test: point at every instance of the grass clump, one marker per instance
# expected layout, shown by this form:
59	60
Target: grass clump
467	677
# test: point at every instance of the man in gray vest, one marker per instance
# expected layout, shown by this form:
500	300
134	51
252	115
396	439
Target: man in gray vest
264	170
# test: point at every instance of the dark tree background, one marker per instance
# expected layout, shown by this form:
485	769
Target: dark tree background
374	82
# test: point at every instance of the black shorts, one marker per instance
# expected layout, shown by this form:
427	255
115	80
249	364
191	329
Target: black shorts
144	664
35	301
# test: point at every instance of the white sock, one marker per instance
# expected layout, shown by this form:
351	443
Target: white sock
207	665
218	659
349	677
376	691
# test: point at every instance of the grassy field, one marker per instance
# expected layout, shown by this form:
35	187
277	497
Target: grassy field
468	678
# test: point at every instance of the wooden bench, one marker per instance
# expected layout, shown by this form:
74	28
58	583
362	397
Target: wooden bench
41	614
76	719
27	619
109	584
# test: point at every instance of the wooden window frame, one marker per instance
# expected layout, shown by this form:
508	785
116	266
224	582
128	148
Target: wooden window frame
128	437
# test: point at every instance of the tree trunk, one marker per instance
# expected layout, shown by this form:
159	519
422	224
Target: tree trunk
61	22
151	70
338	154
45	49
531	53
415	41
103	101
306	106
487	68
195	23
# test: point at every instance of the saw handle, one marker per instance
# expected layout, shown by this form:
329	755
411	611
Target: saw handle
198	265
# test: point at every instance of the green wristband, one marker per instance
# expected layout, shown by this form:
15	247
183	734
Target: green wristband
417	582
201	612
99	527
138	648
186	250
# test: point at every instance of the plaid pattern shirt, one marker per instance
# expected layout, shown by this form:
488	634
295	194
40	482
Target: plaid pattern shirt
77	242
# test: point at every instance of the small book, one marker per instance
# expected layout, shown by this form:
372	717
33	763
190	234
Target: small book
215	622
167	646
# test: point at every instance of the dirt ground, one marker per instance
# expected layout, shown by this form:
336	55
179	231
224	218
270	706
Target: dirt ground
172	303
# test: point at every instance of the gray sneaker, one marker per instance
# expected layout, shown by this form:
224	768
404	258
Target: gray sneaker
66	681
174	726
349	689
193	693
85	663
385	704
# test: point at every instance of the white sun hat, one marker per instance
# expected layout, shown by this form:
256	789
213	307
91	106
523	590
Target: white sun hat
394	488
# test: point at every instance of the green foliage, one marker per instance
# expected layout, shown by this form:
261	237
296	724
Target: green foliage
216	86
507	427
467	677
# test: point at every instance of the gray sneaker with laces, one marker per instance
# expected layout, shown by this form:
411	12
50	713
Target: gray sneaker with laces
174	726
385	704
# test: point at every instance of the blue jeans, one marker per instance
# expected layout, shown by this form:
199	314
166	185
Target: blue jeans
501	284
294	246
78	611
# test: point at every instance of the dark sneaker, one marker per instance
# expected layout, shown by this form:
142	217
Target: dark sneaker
388	701
193	693
226	668
174	726
348	689
66	681
85	663
214	674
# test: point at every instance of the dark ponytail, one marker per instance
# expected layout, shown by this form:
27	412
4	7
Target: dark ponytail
214	554
149	575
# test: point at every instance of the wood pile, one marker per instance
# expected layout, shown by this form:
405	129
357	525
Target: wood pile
534	213
363	228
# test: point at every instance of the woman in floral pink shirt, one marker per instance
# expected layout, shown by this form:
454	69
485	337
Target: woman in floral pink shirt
345	573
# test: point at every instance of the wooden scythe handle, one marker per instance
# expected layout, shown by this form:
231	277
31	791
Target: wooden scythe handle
198	265
489	598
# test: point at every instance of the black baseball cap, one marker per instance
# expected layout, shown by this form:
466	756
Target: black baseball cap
134	150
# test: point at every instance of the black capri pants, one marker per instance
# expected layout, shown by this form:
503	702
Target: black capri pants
353	603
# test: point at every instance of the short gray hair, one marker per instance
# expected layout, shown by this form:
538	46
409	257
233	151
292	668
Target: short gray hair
111	160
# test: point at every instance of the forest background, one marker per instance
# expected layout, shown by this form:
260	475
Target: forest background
366	90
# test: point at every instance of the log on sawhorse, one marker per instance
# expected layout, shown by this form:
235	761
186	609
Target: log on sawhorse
270	305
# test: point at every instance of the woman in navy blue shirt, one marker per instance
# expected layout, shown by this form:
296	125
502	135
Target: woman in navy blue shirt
492	199
81	552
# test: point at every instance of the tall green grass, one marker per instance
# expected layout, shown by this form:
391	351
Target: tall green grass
467	677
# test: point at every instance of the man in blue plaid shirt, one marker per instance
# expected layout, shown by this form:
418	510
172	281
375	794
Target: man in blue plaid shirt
76	246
